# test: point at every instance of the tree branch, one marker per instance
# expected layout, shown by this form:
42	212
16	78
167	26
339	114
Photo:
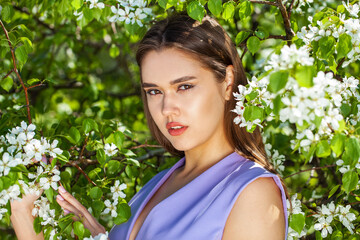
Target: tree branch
7	74
264	2
289	9
310	169
288	30
277	37
82	172
16	71
24	10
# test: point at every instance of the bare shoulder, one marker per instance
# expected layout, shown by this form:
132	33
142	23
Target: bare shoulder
257	213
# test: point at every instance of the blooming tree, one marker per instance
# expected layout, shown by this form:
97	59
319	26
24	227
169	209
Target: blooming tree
70	94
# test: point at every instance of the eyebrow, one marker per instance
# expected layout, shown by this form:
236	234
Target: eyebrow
173	82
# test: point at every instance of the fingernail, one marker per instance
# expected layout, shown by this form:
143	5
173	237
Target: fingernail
60	198
66	211
62	189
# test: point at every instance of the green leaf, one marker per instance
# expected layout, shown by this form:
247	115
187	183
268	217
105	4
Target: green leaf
27	44
79	229
93	174
229	10
96	193
304	76
124	213
245	9
119	139
345	109
113	167
77	4
309	155
37	225
97	206
32	81
215	7
350	180
352	148
297	222
337	144
323	149
7	13
344	46
337	235
7	84
101	157
49	194
74	134
196	11
241	36
21	54
277	104
333	190
114	51
162	3
278	81
63	7
326	47
88	125
252	113
262	33
253	44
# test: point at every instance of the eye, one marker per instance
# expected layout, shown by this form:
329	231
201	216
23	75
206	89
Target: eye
153	92
184	87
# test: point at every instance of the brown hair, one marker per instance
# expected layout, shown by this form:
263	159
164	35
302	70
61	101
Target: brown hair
211	45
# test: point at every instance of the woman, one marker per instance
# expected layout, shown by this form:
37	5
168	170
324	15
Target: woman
223	187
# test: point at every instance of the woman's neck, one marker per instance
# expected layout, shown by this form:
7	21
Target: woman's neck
202	158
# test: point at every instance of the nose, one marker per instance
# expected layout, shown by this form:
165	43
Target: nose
170	105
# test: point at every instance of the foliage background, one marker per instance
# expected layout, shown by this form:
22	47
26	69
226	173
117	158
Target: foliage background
82	80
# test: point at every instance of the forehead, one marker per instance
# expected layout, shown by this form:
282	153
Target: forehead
168	64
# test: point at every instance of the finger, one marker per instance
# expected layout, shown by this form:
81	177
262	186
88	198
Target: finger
69	198
70	203
67	206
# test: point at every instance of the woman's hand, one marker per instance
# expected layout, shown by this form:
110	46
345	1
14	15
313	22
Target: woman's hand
71	205
22	219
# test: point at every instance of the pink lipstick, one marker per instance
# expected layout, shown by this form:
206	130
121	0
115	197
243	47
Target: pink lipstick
175	128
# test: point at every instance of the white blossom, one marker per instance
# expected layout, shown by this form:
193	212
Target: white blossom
116	190
7	162
100	236
111	207
2	212
96	4
110	150
324	225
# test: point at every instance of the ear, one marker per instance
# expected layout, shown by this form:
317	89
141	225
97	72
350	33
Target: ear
229	81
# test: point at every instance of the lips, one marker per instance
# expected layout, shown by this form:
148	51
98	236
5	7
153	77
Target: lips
175	128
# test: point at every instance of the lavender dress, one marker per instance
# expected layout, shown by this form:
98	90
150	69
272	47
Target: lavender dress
198	210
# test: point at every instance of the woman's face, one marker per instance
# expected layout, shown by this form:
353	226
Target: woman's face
184	99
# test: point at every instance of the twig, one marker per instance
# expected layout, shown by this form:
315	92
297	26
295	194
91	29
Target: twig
310	169
264	2
340	63
16	71
289	32
37	85
243	54
23	10
83	173
277	37
145	145
83	148
353	203
290	7
7	74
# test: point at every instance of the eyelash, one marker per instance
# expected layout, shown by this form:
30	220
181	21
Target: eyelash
153	92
